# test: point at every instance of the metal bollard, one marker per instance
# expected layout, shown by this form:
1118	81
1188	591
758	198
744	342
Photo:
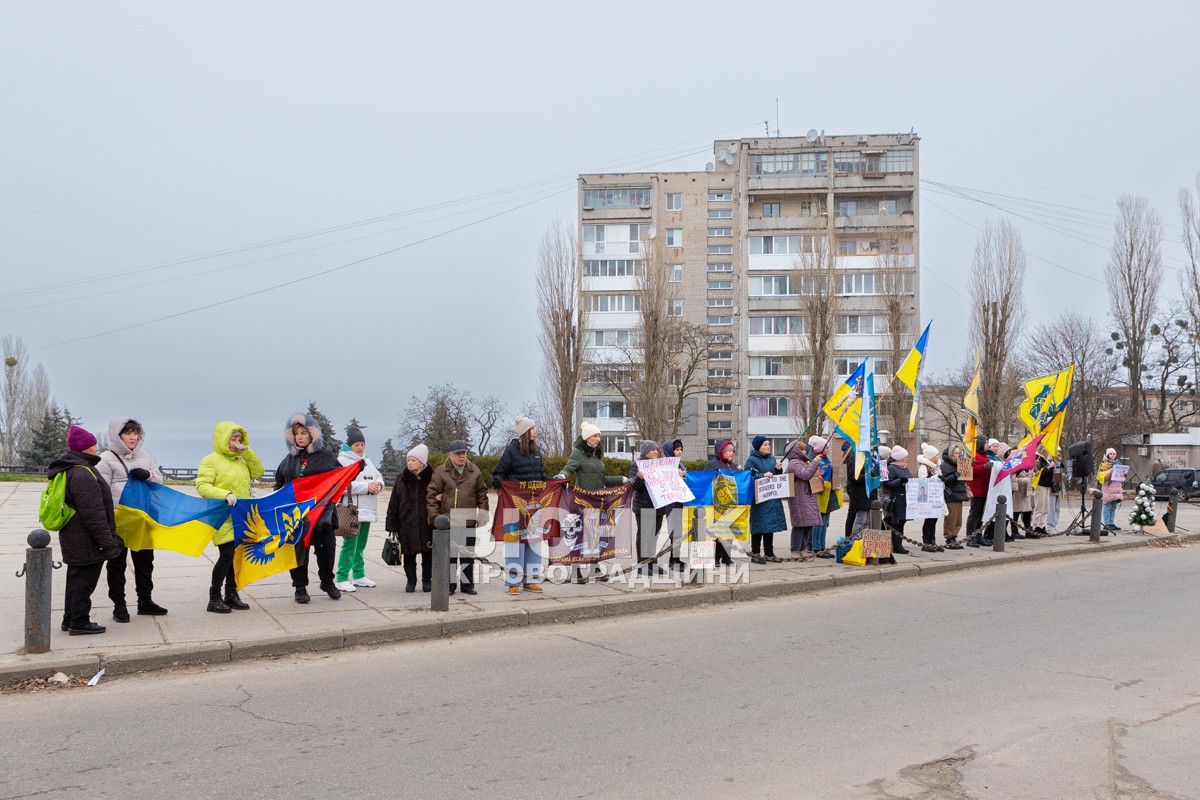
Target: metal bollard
1000	526
1172	507
439	599
1097	513
39	566
876	515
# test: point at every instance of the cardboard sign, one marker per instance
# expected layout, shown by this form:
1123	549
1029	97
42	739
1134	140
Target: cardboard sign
816	484
925	498
876	544
1120	473
966	468
702	555
774	487
663	481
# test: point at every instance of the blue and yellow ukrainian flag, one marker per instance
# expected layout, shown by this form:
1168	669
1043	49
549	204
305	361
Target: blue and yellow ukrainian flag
845	406
909	373
155	517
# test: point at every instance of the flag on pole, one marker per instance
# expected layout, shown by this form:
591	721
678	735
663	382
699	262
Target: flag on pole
843	407
971	405
866	448
1045	397
910	373
1023	457
151	516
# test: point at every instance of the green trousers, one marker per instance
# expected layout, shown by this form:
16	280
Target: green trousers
350	561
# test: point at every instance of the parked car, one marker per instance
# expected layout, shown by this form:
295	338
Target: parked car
1186	482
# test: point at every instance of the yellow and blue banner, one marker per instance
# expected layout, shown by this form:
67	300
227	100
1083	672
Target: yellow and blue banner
151	516
845	406
971	405
909	373
726	498
866	449
1045	398
267	530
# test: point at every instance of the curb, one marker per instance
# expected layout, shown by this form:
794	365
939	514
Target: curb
225	652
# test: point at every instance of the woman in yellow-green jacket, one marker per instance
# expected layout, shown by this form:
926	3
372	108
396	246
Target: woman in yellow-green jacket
225	474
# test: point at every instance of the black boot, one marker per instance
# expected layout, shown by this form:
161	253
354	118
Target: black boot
121	612
150	608
302	595
898	544
233	601
214	602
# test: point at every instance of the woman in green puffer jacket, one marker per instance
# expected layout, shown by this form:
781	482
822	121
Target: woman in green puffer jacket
586	466
226	474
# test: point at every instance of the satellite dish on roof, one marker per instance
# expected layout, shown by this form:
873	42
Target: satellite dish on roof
709	167
733	148
652	232
812	135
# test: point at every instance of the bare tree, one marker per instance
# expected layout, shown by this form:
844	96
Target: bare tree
562	322
1170	372
941	401
997	289
1075	338
1134	274
1189	212
438	418
24	399
486	413
896	265
820	302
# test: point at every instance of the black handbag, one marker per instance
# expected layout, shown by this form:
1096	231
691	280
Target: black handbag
391	551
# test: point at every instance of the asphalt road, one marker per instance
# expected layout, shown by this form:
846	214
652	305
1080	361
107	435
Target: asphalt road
1076	678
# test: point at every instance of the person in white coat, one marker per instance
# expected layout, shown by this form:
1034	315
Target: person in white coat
364	491
125	459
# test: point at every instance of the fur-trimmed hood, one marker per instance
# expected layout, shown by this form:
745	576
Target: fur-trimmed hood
314	430
114	436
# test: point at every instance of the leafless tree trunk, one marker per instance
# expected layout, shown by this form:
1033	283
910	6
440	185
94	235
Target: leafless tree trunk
24	398
562	321
1189	212
897	308
820	303
1134	274
1075	338
997	289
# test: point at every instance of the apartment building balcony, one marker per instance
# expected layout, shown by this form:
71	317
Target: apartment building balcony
639	214
886	221
771	261
873	181
774	426
624	283
775	183
862	342
811	222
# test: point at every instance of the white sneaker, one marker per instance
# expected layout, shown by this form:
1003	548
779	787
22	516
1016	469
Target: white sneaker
345	586
366	583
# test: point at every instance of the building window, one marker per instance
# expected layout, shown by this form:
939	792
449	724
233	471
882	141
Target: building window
720	213
720	390
782	245
772	286
860	283
720	231
604	409
720	355
726	267
674	202
717	285
613	239
720	338
720	197
844	365
720	320
770	407
847	208
720	302
616	198
849	162
674	308
861	323
895	161
611	338
770	210
719	408
813	165
810	208
674	237
609	303
613	268
676	274
776	326
774	366
720	424
615	443
720	249
720	372
887	206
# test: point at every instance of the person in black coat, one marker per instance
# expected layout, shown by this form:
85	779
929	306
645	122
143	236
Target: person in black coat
673	513
897	507
521	459
307	456
955	494
642	502
90	537
408	518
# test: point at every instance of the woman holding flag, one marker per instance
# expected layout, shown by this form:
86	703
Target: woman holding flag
226	474
308	455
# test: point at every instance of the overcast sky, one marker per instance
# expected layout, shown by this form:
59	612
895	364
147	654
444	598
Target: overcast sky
139	139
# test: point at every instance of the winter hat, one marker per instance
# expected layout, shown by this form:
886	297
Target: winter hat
899	454
928	450
354	435
757	442
420	453
79	439
992	443
314	432
647	446
884	451
818	444
1110	454
725	445
524	425
458	446
587	430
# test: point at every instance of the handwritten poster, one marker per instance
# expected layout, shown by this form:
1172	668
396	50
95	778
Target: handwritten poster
663	481
925	498
774	487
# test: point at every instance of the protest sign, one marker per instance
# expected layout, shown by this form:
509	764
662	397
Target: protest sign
663	481
702	555
774	487
1120	473
966	470
925	498
876	543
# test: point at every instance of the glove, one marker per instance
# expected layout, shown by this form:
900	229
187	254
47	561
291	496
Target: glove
903	481
624	480
139	474
240	448
559	477
231	498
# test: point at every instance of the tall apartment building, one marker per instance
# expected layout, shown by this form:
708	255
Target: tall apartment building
734	238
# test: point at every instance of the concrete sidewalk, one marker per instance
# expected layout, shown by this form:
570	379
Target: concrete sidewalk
277	625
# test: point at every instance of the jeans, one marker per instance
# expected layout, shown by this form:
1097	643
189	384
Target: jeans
143	568
800	538
522	563
817	536
350	560
1109	517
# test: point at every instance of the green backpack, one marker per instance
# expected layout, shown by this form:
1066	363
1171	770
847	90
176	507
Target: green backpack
53	511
